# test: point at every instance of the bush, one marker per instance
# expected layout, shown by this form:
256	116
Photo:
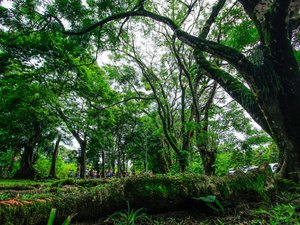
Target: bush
43	164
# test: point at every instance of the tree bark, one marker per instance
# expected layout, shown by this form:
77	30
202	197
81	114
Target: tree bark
278	83
27	170
82	160
52	173
206	151
82	141
283	118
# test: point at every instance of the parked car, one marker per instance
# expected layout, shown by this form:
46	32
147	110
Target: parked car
273	166
231	171
245	169
249	168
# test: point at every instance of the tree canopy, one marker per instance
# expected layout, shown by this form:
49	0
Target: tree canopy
167	99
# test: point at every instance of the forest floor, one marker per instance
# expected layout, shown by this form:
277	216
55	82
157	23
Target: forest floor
283	208
285	211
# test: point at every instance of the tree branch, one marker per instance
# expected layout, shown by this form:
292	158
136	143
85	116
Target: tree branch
212	18
280	43
121	28
69	126
229	54
238	91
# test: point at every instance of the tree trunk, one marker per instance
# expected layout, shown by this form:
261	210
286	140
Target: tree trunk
119	166
283	118
182	158
290	167
280	104
124	168
165	154
112	162
162	164
206	151
52	173
27	170
103	163
97	168
83	146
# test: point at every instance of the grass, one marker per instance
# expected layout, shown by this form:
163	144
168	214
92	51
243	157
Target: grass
279	214
52	218
130	216
12	182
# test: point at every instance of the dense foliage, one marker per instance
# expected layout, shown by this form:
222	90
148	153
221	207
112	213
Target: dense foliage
171	104
151	107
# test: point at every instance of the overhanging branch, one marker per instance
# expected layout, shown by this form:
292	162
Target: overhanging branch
238	91
234	57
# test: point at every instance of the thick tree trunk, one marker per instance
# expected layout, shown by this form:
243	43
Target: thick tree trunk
97	168
208	162
207	153
284	122
27	170
112	163
290	109
52	173
281	105
290	167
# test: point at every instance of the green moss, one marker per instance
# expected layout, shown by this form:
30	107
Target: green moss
95	198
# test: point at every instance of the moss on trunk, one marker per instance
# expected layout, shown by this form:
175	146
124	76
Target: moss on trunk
156	193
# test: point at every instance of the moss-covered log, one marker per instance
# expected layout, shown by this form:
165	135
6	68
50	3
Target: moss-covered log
155	193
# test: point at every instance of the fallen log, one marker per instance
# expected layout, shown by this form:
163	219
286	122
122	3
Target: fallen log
155	193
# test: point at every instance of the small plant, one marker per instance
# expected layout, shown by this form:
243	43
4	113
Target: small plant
52	217
4	196
280	214
129	216
219	222
212	202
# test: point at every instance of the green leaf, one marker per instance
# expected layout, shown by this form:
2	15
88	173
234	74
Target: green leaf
208	198
51	217
68	220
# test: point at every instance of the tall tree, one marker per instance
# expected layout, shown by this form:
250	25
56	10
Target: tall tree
268	89
272	93
26	118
